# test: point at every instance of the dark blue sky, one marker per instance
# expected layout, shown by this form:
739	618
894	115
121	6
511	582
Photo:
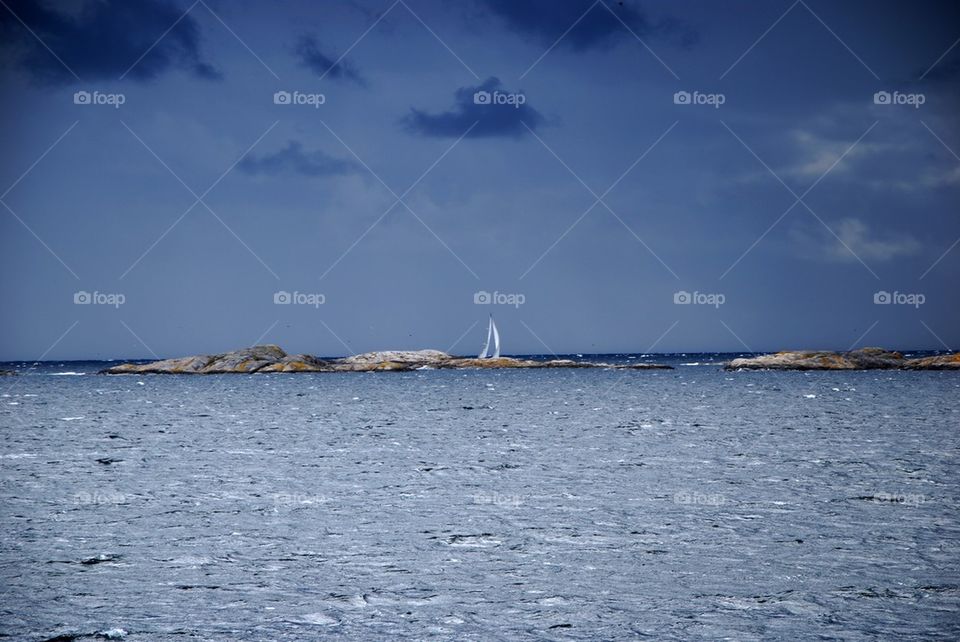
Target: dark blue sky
604	161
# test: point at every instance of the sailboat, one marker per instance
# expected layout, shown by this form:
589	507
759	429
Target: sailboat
491	332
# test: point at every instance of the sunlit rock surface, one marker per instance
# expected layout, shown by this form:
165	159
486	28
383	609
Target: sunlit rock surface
863	359
271	358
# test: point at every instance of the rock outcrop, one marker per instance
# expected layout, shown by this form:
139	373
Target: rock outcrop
266	358
863	359
271	358
938	362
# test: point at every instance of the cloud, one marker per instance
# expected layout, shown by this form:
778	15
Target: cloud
900	162
806	154
544	21
854	239
497	113
928	179
292	159
308	51
103	40
818	154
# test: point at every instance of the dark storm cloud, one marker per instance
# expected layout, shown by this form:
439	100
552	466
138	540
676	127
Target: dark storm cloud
102	41
546	20
496	112
292	159
310	56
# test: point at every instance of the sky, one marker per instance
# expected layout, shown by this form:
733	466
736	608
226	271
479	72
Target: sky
350	175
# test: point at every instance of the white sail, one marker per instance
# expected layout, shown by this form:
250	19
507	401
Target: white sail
492	332
486	346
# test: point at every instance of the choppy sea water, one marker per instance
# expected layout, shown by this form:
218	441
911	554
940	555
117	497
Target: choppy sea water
480	505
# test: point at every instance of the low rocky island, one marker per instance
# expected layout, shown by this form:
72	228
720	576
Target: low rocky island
271	358
863	359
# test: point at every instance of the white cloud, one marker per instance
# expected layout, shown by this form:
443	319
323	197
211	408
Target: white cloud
850	239
818	154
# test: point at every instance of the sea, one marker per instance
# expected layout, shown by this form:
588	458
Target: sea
560	504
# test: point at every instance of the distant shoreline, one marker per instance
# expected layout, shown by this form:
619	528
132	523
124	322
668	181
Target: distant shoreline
267	359
273	359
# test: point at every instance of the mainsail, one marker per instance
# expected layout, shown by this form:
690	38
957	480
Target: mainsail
491	332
